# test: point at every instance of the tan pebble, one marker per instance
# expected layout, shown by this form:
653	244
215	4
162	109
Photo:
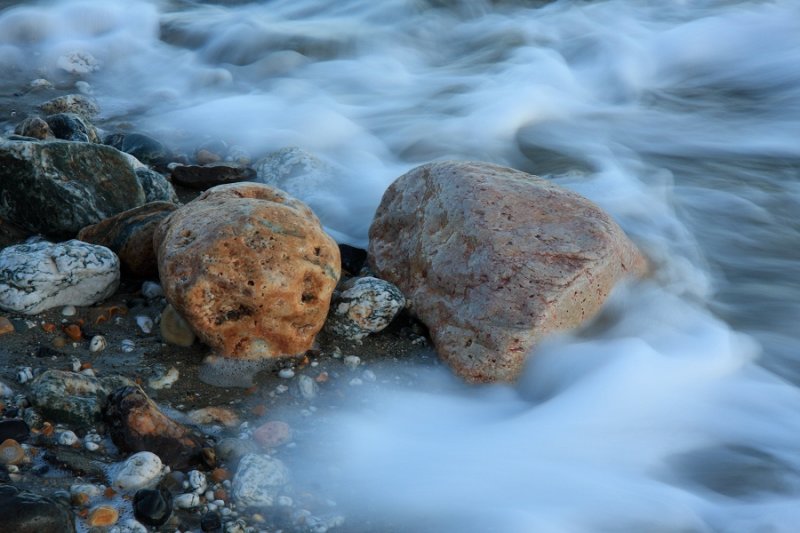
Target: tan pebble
273	434
174	329
221	494
109	493
11	453
59	342
211	415
103	515
205	157
73	331
6	326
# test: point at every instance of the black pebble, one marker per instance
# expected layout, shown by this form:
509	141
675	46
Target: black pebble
152	506
352	258
15	429
211	521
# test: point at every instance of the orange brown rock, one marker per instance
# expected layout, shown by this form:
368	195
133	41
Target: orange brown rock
492	260
103	516
6	326
11	452
250	269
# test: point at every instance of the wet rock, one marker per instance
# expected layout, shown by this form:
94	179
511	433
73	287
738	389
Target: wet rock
259	480
42	275
130	235
307	387
11	452
72	127
250	269
152	506
77	462
164	378
231	450
174	329
97	344
35	127
353	259
78	62
273	434
25	512
11	234
14	429
152	290
58	187
71	103
71	397
102	516
214	415
202	177
365	306
140	470
136	423
187	501
492	260
156	186
143	147
296	171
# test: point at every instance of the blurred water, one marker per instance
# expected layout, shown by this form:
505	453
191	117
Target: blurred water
677	410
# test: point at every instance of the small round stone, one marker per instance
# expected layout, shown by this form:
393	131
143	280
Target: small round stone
139	471
11	452
145	323
127	345
103	516
352	361
187	501
273	434
152	290
152	506
69	310
286	373
66	438
97	344
308	387
174	328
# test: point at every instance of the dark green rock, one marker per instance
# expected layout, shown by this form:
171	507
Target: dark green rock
146	149
72	127
58	187
26	512
72	398
157	187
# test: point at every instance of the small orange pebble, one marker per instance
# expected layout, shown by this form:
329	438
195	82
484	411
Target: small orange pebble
221	494
47	429
49	327
220	474
85	365
322	377
100	319
251	390
109	493
83	513
258	410
73	331
103	516
6	326
80	322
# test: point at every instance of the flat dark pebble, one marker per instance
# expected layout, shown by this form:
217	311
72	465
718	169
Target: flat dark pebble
15	429
211	522
152	506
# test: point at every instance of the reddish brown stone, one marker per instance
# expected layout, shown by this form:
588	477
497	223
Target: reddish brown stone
130	235
250	269
273	434
136	424
492	259
6	326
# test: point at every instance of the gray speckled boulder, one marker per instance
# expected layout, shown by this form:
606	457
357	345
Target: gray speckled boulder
366	305
156	186
41	275
259	480
58	187
73	398
492	260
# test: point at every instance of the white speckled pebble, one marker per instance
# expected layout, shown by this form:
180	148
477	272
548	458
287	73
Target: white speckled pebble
152	290
24	374
97	344
69	310
186	501
197	481
286	373
127	345
66	438
352	361
145	323
307	387
91	446
35	277
259	480
140	470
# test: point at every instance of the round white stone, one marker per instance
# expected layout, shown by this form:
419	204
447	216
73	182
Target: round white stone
259	480
140	470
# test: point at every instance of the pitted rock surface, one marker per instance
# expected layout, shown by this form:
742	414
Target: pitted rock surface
130	235
250	269
41	275
492	260
58	187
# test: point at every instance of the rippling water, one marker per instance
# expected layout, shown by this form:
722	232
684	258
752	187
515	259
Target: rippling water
678	409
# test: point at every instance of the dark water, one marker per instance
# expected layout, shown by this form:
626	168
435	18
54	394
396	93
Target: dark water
679	410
